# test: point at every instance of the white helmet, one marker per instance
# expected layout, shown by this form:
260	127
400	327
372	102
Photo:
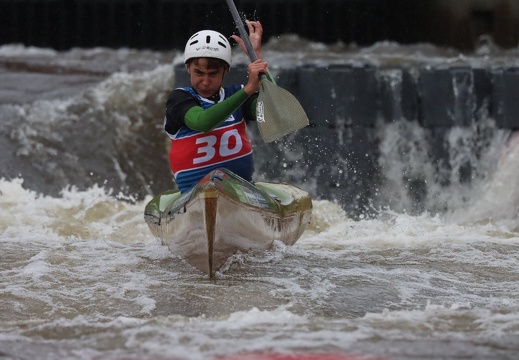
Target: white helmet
208	43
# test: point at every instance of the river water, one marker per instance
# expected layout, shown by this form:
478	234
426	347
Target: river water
81	276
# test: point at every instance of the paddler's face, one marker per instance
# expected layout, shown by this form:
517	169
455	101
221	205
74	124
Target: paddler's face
206	81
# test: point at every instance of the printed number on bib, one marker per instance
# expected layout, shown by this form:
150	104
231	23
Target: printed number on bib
230	143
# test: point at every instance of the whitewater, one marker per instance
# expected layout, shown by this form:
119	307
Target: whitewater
81	276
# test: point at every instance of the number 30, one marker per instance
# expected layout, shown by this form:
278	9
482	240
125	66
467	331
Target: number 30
208	148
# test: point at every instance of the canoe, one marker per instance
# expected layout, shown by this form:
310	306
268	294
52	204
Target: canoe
225	214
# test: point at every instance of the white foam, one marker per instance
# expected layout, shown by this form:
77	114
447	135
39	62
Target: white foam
440	319
82	274
93	213
26	51
498	200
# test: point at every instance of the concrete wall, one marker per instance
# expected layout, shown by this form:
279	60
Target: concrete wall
349	104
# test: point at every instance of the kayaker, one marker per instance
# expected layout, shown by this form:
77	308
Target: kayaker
207	122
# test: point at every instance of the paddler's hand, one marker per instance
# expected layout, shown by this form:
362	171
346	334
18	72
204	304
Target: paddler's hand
255	36
255	69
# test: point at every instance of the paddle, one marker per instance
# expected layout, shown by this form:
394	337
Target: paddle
278	112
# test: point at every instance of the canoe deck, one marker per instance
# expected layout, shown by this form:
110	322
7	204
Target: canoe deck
224	214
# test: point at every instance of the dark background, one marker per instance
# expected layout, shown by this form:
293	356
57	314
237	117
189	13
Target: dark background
166	24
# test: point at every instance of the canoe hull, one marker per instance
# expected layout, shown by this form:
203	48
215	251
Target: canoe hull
223	215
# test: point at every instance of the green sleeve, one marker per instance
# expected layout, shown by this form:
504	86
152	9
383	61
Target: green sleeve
205	120
254	106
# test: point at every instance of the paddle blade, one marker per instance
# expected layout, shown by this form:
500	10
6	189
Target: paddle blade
278	112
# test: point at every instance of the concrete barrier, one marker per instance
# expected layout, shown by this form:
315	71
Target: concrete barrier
505	97
346	104
398	94
452	96
339	95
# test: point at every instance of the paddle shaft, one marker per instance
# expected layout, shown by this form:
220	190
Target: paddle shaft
243	33
278	112
241	30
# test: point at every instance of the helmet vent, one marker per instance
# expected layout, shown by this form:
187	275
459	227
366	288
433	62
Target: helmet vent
208	39
193	42
222	44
